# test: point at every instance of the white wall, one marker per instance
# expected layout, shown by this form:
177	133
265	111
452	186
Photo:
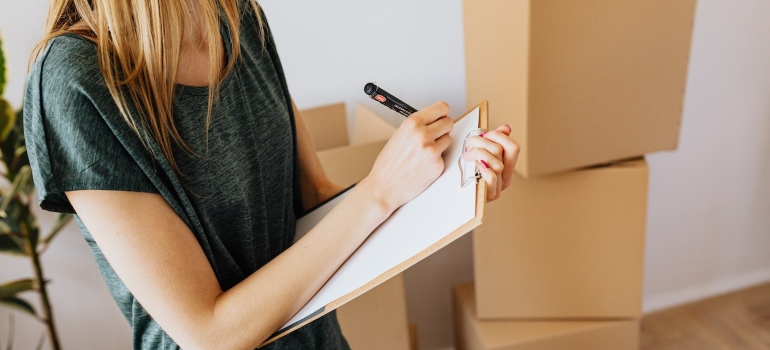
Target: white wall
709	211
708	224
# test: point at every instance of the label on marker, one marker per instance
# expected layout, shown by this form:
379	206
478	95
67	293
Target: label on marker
380	98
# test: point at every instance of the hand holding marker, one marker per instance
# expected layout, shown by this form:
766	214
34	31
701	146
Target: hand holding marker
494	150
390	101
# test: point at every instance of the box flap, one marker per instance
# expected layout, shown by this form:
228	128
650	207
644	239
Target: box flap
370	126
328	126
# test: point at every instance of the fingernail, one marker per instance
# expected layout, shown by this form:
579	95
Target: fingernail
483	133
486	166
510	127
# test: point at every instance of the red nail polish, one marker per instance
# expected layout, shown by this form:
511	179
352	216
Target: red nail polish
486	166
483	133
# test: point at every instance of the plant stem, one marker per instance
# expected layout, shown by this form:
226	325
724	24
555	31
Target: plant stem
40	280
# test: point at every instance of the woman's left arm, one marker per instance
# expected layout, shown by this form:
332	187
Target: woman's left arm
314	184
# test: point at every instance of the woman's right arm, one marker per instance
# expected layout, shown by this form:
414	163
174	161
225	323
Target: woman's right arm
158	258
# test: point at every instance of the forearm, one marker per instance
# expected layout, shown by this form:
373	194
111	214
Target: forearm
176	284
271	296
287	282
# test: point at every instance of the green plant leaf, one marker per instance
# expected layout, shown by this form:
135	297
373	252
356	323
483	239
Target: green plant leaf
4	228
7	148
7	118
3	76
14	214
11	237
19	181
59	222
12	245
30	229
12	146
22	159
19	304
10	289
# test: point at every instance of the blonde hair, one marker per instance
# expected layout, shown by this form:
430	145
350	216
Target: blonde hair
138	46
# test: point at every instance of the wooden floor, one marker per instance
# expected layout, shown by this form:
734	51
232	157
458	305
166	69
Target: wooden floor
739	320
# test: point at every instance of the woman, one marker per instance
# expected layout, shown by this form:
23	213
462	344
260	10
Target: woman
168	128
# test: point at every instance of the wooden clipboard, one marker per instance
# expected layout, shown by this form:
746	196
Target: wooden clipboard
326	301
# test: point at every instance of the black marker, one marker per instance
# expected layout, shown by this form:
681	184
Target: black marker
390	101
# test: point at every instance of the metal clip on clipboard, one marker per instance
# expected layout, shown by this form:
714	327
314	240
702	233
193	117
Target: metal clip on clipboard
465	177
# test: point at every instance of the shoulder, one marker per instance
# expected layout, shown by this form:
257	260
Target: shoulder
254	24
66	77
66	98
68	60
65	84
75	136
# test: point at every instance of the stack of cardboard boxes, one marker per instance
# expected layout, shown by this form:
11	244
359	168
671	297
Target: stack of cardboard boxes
589	86
378	318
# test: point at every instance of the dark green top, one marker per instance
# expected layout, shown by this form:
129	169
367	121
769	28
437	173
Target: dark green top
240	196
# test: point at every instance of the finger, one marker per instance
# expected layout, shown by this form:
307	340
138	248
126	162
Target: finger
487	144
492	184
440	127
510	154
442	143
489	161
499	185
431	113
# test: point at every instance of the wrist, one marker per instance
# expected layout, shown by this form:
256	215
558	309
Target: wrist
375	192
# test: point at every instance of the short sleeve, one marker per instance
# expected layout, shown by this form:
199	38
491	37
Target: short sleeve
69	143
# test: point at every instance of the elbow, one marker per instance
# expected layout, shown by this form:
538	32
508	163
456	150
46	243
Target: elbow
212	341
215	338
209	342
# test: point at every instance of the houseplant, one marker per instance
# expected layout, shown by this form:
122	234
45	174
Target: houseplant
19	231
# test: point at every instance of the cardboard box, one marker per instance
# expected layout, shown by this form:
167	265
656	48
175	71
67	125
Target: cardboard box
346	164
377	319
414	340
582	82
472	334
328	126
370	126
564	246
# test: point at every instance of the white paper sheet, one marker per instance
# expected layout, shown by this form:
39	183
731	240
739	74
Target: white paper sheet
441	209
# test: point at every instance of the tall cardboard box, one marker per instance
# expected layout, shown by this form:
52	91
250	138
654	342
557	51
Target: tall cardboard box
564	246
473	334
377	319
582	82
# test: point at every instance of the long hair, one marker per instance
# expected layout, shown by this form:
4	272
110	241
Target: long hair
138	47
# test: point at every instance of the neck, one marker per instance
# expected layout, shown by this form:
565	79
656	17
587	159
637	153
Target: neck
194	58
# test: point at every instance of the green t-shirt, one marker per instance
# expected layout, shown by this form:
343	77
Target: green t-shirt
239	196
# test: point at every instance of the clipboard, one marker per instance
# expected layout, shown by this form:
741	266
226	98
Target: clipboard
449	208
